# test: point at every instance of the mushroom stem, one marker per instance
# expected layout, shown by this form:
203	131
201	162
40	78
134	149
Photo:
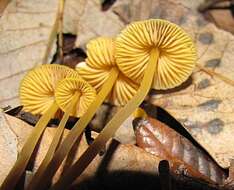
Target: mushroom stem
78	167
27	150
54	144
76	131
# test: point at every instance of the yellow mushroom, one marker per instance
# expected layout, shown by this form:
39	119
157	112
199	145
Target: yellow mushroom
37	96
156	54
73	96
98	67
102	73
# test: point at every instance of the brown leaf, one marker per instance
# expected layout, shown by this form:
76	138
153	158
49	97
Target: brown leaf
221	17
162	141
3	5
87	20
25	27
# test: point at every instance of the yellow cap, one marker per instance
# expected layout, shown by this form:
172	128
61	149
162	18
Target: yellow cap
177	53
96	70
38	86
78	89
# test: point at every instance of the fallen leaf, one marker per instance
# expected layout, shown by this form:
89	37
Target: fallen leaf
25	27
204	103
157	138
223	18
87	20
8	147
3	5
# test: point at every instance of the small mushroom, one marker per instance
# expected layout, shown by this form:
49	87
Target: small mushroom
73	96
156	54
37	96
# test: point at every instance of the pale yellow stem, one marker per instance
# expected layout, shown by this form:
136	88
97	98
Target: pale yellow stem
54	144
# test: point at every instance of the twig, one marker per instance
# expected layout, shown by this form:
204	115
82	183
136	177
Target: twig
60	29
53	33
218	75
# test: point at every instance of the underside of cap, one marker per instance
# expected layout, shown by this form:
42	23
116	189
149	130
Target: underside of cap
177	54
122	91
38	86
78	89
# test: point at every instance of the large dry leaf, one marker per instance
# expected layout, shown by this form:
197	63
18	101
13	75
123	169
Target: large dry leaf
14	132
25	27
87	20
204	104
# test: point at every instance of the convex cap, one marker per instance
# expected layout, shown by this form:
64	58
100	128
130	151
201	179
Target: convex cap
96	70
177	54
38	87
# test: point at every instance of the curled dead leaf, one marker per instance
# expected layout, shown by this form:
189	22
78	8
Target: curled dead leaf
160	140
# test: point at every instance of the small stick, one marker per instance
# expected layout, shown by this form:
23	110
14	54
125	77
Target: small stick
60	29
53	32
218	75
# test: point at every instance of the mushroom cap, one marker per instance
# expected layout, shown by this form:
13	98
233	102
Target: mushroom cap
96	70
101	53
38	86
122	91
70	88
177	53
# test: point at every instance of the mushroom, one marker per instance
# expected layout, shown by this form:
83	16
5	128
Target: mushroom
37	96
156	54
97	68
102	73
73	96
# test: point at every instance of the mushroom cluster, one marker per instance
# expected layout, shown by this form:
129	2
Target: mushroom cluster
146	54
153	53
45	90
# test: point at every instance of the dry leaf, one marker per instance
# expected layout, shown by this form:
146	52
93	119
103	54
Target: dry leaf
13	133
221	17
87	20
203	104
162	141
3	5
25	27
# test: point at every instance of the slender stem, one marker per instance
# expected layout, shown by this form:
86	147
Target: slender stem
54	144
78	167
27	150
76	131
